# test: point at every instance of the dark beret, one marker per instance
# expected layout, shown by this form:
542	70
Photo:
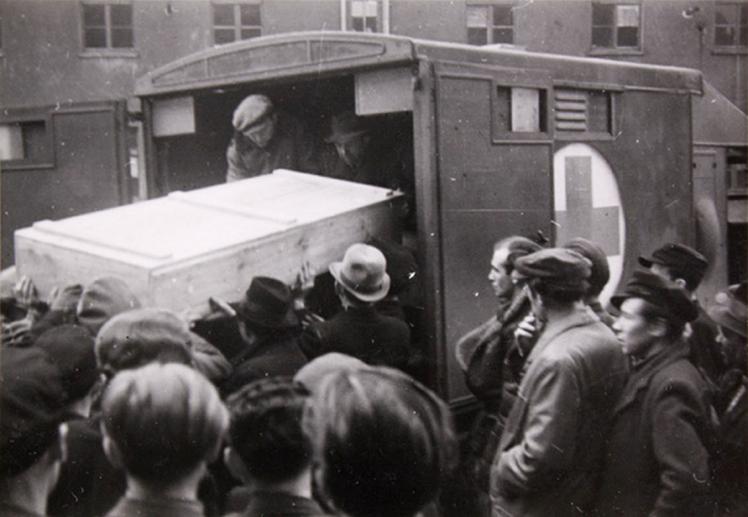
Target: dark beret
32	407
672	300
560	268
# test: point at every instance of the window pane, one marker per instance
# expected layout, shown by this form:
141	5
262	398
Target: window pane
477	36
724	36
477	17
94	15
122	38
525	110
628	16
223	14
628	36
121	15
251	33
502	109
95	38
502	15
725	14
358	24
743	36
602	14
371	25
602	37
744	14
598	112
250	14
221	36
503	36
11	142
35	141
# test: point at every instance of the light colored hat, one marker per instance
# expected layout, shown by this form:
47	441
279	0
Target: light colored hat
250	111
363	273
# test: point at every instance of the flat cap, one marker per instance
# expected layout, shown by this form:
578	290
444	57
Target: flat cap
560	268
600	273
250	111
672	300
71	349
729	309
683	260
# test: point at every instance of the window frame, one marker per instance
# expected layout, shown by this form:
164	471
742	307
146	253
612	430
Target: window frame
616	49
615	107
736	47
48	160
490	17
382	19
108	50
528	79
237	19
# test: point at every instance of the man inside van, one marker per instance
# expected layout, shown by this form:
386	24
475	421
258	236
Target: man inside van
266	139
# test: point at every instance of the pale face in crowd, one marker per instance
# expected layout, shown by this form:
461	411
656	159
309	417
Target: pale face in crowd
500	278
261	133
635	333
352	149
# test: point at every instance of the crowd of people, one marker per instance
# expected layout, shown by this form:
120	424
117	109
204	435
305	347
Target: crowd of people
305	401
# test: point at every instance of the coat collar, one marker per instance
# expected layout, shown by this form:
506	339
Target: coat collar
642	371
579	318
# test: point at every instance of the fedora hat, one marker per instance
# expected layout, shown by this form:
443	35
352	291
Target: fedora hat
730	310
362	273
345	126
267	303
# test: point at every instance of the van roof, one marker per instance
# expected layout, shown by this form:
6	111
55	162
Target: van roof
327	52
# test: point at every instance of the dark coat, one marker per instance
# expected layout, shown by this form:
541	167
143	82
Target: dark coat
363	333
731	479
278	355
552	447
273	504
290	148
657	461
703	349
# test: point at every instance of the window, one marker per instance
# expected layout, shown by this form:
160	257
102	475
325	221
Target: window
107	26
25	143
487	24
364	16
588	111
615	26
236	21
731	25
520	110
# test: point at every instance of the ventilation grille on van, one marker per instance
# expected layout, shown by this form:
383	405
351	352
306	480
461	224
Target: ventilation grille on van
571	110
578	110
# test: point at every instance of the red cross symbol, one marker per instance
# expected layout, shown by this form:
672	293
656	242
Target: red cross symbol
581	219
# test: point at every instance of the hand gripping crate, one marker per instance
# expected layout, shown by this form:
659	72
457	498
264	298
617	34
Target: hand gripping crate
177	251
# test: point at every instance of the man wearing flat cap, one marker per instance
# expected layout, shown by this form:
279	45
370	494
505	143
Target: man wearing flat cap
359	330
657	460
270	331
266	139
686	267
553	443
730	312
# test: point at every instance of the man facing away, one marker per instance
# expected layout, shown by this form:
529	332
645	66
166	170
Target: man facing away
657	460
268	451
552	446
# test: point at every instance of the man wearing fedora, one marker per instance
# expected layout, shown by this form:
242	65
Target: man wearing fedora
266	139
359	330
730	312
548	459
686	267
270	330
658	460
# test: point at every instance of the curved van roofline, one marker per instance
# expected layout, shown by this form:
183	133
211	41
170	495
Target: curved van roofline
325	52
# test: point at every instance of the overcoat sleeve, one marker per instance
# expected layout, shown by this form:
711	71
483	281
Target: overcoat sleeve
679	425
547	446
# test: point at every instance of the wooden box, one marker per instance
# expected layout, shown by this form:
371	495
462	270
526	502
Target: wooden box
178	250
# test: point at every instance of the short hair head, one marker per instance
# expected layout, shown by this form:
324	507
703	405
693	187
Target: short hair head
600	273
164	420
382	441
135	338
266	429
